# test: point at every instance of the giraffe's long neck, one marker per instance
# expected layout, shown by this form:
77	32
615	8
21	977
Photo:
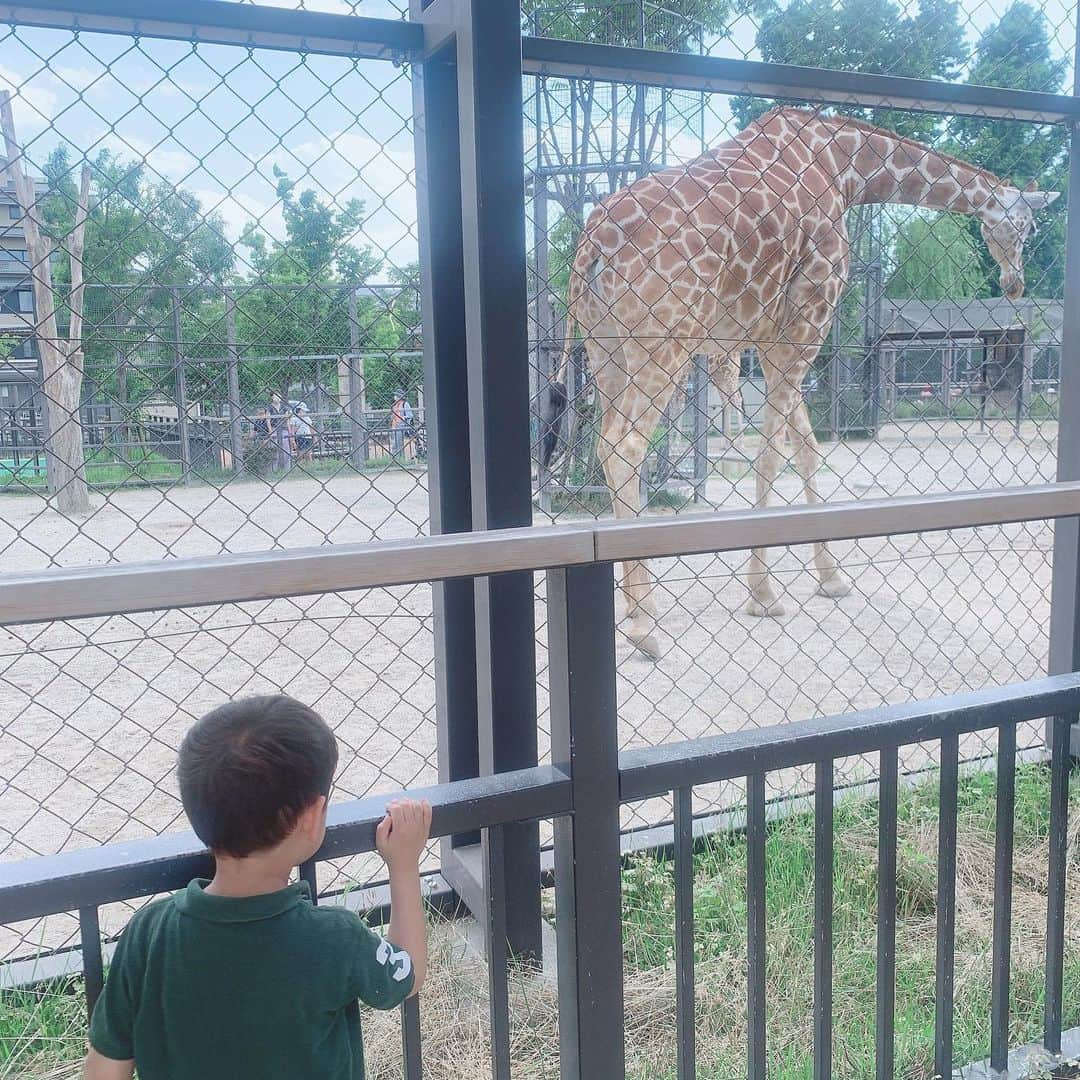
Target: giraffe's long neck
879	167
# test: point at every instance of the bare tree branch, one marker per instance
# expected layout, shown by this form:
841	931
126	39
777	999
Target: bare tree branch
75	245
61	362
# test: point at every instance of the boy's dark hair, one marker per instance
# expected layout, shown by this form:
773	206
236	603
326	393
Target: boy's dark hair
250	768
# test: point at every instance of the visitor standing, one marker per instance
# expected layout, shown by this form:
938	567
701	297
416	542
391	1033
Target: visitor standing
398	423
279	432
303	433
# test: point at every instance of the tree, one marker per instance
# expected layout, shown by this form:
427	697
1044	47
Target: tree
874	36
936	258
614	122
675	26
61	358
1016	52
295	302
142	237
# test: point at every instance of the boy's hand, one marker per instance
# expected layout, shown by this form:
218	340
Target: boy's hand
402	834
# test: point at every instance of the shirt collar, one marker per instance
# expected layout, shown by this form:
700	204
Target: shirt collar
199	904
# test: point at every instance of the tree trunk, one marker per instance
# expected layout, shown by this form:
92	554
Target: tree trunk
61	361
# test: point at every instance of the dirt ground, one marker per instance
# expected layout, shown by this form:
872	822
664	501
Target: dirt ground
91	712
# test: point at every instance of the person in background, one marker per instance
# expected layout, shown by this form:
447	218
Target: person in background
410	429
397	423
303	433
279	432
260	426
242	977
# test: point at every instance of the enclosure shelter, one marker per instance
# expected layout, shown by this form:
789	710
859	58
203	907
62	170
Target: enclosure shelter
391	221
969	350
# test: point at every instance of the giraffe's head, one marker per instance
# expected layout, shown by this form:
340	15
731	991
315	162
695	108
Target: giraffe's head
1008	219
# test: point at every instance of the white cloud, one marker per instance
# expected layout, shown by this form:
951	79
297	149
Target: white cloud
33	102
354	165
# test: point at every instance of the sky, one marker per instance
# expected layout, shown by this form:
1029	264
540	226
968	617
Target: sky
216	120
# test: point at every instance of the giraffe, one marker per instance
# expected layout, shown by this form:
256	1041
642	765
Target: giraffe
747	247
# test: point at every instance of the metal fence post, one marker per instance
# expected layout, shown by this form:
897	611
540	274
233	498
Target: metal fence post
486	265
181	388
588	872
1065	587
233	361
442	281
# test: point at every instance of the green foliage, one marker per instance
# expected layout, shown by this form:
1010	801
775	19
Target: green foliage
876	36
140	234
674	25
138	230
1017	52
936	258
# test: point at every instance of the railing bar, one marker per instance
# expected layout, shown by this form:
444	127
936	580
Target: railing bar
572	59
93	964
309	874
755	928
1003	874
823	919
498	952
69	593
684	933
946	905
259	26
410	1039
657	770
50	884
1055	893
886	912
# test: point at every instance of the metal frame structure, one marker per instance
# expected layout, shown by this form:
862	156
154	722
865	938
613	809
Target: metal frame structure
468	57
588	781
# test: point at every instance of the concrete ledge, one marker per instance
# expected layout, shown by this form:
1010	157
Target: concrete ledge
1031	1062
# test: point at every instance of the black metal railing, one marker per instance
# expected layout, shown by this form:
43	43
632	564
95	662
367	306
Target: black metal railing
582	793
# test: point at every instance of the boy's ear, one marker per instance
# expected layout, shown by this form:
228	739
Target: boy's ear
314	817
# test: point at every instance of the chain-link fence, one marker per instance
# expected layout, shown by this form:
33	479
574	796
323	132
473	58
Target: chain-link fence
234	362
877	304
211	343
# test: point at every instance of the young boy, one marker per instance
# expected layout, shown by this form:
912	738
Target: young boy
241	978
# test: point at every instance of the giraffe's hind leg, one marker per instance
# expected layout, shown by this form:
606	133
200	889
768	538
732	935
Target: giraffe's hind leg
831	580
626	428
763	599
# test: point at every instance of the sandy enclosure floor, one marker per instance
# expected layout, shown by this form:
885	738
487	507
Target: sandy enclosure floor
91	712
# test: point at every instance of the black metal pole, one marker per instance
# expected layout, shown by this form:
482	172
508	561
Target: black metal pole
588	872
1065	587
446	392
236	442
491	131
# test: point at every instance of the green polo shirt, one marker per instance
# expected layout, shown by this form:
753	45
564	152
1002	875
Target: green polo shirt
206	987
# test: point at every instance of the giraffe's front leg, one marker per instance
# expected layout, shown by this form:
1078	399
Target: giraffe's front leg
763	599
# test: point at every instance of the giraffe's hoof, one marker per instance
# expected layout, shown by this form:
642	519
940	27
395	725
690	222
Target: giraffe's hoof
649	647
644	641
835	586
769	608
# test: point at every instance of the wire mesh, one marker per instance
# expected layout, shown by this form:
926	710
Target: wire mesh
866	333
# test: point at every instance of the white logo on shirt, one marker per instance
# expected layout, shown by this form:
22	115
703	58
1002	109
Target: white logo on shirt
387	954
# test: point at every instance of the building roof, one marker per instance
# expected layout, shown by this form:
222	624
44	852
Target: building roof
963	318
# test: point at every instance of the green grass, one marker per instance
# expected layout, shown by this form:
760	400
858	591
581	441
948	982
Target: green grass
42	1032
41	1029
1040	407
720	934
103	470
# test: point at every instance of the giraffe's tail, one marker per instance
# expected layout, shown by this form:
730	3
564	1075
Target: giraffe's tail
554	412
